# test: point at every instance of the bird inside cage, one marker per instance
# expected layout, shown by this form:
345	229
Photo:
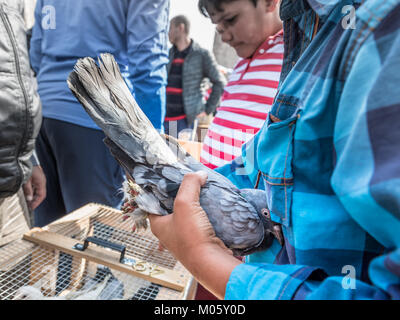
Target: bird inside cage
103	286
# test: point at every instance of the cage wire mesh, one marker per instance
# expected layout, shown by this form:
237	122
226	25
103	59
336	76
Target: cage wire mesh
31	271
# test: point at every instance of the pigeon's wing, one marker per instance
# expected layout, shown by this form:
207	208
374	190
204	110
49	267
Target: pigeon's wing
162	180
120	155
157	193
235	221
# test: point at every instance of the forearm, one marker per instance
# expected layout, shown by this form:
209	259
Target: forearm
211	267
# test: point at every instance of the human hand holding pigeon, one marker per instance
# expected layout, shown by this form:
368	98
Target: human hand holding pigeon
190	237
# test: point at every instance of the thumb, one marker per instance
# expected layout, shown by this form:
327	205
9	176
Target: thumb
190	188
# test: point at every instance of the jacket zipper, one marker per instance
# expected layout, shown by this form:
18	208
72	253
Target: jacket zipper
8	27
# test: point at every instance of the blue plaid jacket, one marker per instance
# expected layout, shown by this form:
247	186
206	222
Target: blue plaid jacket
329	157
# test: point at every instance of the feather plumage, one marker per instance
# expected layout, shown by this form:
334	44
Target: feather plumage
156	165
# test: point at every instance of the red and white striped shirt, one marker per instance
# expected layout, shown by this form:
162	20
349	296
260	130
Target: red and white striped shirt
245	104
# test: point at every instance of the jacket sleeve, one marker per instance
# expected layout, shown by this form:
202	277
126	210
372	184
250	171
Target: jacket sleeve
366	181
147	25
35	51
218	81
367	172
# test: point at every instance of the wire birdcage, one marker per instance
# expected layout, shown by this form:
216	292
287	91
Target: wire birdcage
76	258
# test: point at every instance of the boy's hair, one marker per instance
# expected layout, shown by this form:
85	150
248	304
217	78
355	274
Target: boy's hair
216	4
177	20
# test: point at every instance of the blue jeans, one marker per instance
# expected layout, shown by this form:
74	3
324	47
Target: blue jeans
79	169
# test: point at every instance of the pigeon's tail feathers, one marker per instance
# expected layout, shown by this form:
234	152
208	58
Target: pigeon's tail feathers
122	97
87	85
105	96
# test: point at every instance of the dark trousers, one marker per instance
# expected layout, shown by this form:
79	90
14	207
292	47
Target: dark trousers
79	169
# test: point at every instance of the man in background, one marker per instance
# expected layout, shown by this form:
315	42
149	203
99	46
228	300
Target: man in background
188	66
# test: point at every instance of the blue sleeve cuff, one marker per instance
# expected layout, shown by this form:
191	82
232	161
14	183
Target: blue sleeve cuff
259	281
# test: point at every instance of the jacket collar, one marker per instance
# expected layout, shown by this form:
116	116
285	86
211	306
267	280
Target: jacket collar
194	46
291	8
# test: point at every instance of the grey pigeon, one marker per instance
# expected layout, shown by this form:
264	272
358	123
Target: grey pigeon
155	166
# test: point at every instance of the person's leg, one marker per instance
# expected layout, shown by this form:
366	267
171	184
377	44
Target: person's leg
14	218
52	207
87	170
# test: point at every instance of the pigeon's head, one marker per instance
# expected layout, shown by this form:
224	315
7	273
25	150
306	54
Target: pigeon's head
257	198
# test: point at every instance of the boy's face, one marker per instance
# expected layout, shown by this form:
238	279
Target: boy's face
242	25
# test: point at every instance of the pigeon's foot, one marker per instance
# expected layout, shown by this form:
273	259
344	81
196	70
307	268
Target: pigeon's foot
131	191
140	219
130	208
